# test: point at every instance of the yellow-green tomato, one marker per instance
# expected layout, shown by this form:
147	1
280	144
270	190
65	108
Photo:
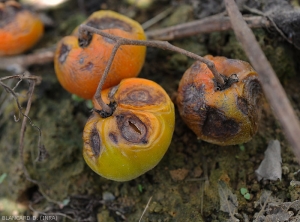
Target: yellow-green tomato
136	136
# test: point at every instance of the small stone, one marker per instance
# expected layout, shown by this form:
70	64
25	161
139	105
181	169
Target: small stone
198	171
179	174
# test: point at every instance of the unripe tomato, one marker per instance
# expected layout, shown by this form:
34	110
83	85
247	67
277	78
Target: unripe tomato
79	65
20	28
135	138
224	115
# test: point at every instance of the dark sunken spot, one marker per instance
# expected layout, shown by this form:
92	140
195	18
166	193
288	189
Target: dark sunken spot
242	104
253	91
8	14
141	97
217	125
193	100
132	128
113	137
88	67
63	53
95	141
109	23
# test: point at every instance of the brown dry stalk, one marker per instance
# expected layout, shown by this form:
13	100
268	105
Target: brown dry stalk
18	64
209	24
33	80
270	83
84	31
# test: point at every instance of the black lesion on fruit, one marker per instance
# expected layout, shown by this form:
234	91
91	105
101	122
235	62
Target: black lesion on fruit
142	97
132	128
217	125
88	67
113	137
95	141
242	104
63	53
253	94
109	23
194	100
228	81
8	13
253	90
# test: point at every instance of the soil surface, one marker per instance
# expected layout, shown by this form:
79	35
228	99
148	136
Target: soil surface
195	181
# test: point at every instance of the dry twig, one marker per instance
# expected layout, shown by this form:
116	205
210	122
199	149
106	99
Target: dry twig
33	80
20	63
209	24
144	211
270	83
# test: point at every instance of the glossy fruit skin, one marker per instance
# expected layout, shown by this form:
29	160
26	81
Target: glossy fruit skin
79	69
135	138
224	117
20	28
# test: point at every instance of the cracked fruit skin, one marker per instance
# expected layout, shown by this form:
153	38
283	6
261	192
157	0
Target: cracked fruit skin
220	116
79	64
135	138
20	28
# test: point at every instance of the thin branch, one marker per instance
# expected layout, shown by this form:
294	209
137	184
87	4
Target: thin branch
32	80
20	63
84	30
270	83
209	24
157	18
144	211
22	132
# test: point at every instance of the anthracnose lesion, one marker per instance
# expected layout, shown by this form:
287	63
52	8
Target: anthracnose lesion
109	23
194	102
250	101
132	128
95	141
253	91
8	13
113	137
63	53
242	105
142	97
217	125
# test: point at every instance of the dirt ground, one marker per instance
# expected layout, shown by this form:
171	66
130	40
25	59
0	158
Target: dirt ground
188	183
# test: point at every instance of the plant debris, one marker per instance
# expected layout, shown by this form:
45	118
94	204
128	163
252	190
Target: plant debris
228	200
270	167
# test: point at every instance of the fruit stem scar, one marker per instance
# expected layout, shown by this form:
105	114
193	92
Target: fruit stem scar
84	29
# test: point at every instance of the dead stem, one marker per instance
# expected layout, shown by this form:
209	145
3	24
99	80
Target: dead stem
214	23
84	31
144	211
20	63
270	83
32	80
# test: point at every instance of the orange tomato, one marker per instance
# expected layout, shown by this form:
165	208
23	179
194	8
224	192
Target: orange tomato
20	28
223	116
80	68
136	136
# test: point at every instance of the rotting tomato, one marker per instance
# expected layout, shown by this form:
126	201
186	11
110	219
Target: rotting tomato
79	64
223	115
135	138
20	28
